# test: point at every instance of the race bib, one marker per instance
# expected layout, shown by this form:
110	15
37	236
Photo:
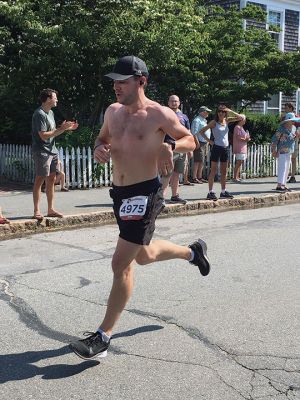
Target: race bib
133	208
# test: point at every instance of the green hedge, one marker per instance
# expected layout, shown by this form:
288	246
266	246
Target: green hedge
262	127
82	137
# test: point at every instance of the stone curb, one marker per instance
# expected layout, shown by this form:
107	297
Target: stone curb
27	227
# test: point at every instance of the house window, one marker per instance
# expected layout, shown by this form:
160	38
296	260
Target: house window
275	21
273	105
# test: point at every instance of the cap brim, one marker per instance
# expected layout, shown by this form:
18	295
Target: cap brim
290	120
117	77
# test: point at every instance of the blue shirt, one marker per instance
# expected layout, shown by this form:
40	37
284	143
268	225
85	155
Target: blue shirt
284	140
197	124
183	119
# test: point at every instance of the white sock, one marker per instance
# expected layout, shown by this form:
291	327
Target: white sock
104	336
223	191
192	255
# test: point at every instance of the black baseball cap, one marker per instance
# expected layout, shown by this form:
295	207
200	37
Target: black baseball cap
128	66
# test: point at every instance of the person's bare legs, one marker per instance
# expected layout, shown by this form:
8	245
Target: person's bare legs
38	181
200	170
126	252
162	250
195	170
293	167
50	180
212	174
187	169
237	167
186	175
62	179
122	285
223	169
174	183
3	220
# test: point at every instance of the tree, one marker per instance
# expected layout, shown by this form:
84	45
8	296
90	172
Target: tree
204	55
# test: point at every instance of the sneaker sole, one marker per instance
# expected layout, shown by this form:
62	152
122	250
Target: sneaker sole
103	354
204	248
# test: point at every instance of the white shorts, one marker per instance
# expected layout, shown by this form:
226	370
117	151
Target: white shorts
241	156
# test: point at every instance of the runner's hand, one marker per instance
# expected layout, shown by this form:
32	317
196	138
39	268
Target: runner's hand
165	160
102	153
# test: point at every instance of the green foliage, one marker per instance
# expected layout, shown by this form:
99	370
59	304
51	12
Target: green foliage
203	55
82	137
98	171
262	127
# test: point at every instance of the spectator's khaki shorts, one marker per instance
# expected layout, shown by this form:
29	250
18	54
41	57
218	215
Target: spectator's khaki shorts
200	153
45	164
179	162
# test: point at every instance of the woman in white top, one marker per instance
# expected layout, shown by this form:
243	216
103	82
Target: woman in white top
220	148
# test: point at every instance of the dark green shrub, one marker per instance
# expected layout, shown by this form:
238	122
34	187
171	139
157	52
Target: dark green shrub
262	127
83	137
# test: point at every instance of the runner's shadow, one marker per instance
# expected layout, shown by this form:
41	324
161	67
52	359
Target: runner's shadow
132	332
20	366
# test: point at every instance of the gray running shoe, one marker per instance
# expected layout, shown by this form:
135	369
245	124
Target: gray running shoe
200	256
90	347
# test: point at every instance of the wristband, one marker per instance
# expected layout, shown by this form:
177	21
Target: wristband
97	146
171	142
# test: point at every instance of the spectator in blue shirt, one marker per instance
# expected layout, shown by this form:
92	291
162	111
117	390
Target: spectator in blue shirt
283	144
200	152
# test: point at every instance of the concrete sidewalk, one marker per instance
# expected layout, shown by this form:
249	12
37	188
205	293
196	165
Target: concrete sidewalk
94	206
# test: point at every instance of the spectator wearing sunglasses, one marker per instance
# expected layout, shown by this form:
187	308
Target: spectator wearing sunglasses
220	148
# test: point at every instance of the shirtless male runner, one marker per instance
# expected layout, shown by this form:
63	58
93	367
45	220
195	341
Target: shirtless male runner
133	135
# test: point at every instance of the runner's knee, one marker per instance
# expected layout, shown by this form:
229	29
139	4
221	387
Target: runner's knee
120	268
145	257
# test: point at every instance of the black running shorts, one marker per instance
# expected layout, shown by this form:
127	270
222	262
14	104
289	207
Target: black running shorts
219	153
136	208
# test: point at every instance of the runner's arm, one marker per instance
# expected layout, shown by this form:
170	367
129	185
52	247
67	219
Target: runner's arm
102	142
184	140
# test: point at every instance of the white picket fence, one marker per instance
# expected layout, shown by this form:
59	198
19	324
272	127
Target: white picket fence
83	172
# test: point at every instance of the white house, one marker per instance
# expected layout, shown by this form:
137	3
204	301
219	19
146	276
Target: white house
286	15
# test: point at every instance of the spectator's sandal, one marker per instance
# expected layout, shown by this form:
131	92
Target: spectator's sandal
4	221
38	217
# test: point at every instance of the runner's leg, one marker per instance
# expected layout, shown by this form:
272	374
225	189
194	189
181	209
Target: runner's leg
122	286
162	250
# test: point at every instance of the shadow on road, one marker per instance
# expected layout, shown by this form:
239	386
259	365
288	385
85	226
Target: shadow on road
20	366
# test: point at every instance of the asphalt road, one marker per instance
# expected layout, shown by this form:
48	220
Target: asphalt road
232	335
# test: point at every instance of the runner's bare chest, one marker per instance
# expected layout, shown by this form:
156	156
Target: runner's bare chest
134	129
